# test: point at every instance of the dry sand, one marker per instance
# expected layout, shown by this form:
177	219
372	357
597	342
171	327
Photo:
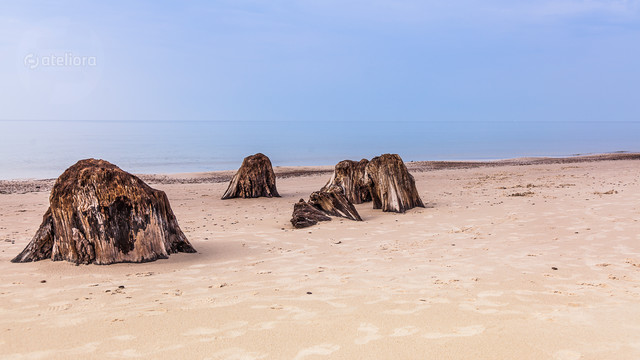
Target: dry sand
479	274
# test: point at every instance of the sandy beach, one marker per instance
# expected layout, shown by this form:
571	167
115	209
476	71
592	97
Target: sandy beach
519	259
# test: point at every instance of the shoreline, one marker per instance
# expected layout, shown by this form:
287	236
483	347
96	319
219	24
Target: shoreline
22	186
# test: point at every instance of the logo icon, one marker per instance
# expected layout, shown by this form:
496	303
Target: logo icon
31	61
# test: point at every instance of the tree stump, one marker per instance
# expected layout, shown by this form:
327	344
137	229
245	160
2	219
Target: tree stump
392	187
321	205
349	175
305	215
333	202
255	178
101	214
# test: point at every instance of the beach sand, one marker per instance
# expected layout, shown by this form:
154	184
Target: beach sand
505	262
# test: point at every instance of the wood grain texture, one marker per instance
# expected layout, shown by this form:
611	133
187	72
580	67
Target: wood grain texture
349	176
392	187
255	178
322	205
333	202
101	214
305	215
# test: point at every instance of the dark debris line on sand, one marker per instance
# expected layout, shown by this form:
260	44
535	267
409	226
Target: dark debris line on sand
440	165
26	186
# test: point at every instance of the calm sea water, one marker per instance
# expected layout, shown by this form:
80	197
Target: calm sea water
43	149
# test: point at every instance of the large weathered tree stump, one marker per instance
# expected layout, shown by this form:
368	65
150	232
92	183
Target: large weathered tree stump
392	187
305	215
321	205
101	214
349	175
255	178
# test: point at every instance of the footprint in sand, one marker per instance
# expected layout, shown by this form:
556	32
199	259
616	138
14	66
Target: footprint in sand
370	333
224	302
153	312
55	307
459	332
323	349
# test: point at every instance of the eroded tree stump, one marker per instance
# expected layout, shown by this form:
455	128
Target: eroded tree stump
321	205
305	215
349	175
333	202
255	178
101	214
392	187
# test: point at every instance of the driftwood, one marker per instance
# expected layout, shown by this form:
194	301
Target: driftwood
305	215
255	178
349	175
101	214
392	187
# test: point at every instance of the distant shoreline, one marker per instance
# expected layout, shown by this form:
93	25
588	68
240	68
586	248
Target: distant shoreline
44	151
38	185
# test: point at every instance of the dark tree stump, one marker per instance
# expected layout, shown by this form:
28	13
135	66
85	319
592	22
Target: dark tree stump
321	205
101	214
392	187
349	175
305	215
255	178
334	203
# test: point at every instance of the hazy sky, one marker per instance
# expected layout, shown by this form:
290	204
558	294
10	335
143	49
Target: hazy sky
320	60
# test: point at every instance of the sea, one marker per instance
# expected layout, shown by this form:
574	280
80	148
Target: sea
44	149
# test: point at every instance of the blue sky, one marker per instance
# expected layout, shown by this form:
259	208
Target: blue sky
322	61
